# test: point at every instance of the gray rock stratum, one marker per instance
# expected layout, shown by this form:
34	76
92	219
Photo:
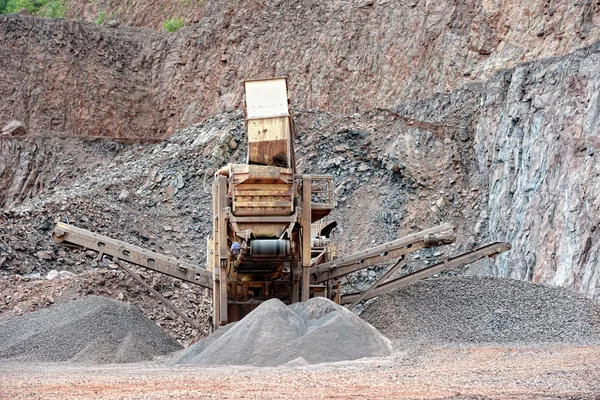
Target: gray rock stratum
534	130
504	148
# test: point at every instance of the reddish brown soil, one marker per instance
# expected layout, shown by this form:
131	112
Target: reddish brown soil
467	372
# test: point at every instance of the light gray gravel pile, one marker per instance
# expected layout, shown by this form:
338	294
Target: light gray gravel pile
88	330
316	331
480	310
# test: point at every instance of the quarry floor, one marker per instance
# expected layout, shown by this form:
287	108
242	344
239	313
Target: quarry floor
464	372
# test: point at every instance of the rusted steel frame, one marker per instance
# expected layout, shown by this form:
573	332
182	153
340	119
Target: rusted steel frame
375	259
65	234
265	219
223	212
320	185
214	253
450	263
399	264
382	249
305	222
316	260
164	300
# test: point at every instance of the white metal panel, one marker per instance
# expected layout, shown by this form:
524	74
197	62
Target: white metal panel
266	98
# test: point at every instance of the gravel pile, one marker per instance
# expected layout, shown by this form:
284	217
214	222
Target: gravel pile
313	332
480	310
88	330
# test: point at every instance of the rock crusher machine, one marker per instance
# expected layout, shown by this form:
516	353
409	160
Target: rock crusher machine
270	239
263	212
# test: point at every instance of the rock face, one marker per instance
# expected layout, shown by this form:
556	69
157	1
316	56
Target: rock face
536	144
532	131
343	56
508	154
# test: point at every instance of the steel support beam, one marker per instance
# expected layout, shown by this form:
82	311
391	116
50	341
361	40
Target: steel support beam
387	251
450	263
164	300
305	222
69	235
222	205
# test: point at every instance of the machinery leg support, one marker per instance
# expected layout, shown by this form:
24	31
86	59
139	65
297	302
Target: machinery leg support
294	273
222	205
306	235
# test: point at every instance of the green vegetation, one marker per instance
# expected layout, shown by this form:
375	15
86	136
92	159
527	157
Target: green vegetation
54	9
101	18
172	24
40	8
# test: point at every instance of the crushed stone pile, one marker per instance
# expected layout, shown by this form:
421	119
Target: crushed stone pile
313	332
93	330
484	310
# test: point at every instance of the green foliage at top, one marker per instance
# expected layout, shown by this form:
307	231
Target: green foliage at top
101	18
54	9
172	24
40	8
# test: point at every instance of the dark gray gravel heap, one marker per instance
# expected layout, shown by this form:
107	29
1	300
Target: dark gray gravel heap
88	330
316	331
480	310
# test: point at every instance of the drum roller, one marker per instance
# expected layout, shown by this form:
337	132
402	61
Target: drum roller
270	248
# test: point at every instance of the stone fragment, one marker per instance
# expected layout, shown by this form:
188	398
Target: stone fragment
396	168
441	202
90	253
113	23
52	275
66	274
14	128
179	182
123	195
45	255
471	242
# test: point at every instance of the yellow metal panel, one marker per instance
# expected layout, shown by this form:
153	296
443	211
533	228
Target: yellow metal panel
267	129
266	98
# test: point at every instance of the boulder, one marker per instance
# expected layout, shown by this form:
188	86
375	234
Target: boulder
14	128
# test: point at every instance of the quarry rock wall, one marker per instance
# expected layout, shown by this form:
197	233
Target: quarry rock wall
533	134
537	142
340	56
520	136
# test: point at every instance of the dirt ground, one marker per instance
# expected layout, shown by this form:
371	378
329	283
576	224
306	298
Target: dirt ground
506	372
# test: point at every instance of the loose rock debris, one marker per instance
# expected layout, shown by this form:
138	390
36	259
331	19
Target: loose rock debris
93	330
484	310
312	332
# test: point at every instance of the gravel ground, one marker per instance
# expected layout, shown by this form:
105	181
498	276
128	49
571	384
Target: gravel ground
312	332
88	330
465	372
484	310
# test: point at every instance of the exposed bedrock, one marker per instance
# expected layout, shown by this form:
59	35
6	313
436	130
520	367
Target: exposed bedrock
537	142
533	132
340	56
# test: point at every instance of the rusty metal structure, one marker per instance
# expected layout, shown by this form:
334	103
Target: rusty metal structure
270	238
